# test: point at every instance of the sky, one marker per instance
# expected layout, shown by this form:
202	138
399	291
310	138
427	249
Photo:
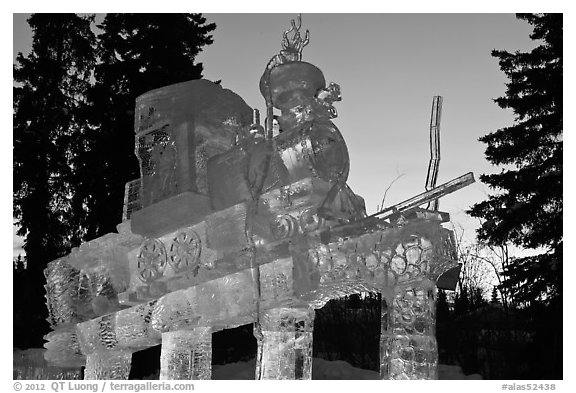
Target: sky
389	67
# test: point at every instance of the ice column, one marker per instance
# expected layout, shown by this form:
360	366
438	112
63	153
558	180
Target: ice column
187	354
108	365
408	348
285	344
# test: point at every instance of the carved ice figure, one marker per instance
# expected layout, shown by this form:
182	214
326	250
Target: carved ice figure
233	227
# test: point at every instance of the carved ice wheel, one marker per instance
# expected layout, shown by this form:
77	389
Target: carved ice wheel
309	220
151	260
184	252
284	226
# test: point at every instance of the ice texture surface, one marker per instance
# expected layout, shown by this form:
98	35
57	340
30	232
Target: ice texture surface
377	258
285	344
186	354
408	342
62	281
108	365
31	364
178	128
63	348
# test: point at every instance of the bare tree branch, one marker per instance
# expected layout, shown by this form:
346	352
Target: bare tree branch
381	206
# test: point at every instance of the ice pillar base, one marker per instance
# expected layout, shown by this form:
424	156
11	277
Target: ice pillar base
108	365
408	348
285	344
187	354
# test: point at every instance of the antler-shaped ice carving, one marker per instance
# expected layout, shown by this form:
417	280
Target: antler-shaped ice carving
292	48
291	52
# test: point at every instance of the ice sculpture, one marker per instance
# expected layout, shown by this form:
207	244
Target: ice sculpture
30	364
230	224
186	354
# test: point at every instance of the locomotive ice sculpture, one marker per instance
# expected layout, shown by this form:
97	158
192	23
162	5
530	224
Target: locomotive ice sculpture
230	224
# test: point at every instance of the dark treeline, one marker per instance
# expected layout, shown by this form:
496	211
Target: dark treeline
73	137
485	337
526	209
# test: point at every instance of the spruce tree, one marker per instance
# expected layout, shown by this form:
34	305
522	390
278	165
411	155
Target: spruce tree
494	298
137	53
74	131
49	104
527	209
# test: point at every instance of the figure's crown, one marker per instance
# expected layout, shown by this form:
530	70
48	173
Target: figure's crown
286	72
292	47
287	79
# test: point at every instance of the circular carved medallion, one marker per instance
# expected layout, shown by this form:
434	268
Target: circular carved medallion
151	260
184	251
